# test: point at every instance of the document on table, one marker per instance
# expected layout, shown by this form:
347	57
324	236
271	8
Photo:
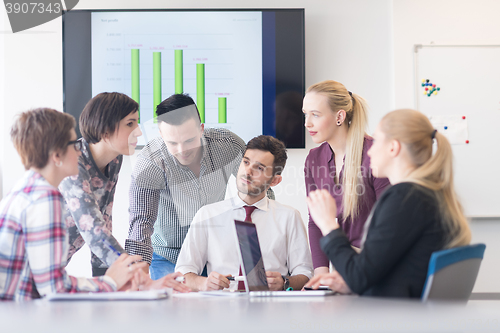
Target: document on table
215	293
112	296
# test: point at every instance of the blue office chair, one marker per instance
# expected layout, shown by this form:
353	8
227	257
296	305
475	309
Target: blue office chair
452	273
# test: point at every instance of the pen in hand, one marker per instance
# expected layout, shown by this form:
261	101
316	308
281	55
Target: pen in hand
111	248
235	278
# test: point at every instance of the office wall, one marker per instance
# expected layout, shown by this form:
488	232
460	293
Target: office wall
449	22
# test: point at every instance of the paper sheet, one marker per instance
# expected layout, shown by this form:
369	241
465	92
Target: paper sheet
111	296
454	128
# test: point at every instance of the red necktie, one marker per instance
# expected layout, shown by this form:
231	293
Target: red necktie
248	218
249	210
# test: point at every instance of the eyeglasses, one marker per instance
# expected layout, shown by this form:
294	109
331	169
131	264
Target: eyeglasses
76	144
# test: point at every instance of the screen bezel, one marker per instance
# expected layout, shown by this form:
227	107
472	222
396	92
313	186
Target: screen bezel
249	225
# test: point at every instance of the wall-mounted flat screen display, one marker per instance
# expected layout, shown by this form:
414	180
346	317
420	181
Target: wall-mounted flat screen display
243	68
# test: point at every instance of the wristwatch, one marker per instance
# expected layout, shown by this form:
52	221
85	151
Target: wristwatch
286	282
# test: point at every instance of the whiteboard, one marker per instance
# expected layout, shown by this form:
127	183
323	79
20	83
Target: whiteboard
469	96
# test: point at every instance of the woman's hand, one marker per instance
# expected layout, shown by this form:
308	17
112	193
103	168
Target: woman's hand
168	281
124	268
323	210
333	280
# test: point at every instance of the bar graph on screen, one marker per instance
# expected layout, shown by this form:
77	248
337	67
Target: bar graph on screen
135	83
159	54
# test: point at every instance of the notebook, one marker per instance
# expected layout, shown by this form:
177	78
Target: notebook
111	296
253	265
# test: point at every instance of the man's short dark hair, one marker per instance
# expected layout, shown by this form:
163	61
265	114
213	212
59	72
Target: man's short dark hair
272	145
103	113
175	102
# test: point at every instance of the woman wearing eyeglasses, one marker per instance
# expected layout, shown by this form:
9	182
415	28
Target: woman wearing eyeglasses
33	236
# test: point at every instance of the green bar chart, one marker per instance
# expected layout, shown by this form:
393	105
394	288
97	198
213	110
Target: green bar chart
179	72
222	110
159	54
178	78
156	83
200	90
135	77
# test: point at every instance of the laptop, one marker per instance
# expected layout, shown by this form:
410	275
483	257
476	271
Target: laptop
253	265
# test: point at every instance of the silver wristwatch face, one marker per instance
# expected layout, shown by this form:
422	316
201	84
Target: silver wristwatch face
286	283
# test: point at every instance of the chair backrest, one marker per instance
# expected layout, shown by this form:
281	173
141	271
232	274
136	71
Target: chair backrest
453	272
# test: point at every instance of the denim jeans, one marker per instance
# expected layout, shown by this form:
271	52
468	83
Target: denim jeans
160	267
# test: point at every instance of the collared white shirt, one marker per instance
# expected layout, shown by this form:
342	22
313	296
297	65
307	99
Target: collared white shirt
211	239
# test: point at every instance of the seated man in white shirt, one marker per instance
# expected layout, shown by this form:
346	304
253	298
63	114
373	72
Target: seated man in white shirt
210	240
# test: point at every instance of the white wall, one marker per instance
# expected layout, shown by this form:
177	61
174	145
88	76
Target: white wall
366	44
449	22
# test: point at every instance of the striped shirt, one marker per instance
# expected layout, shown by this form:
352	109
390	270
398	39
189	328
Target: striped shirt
34	244
165	195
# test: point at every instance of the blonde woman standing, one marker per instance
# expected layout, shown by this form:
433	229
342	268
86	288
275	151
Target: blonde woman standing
418	215
337	118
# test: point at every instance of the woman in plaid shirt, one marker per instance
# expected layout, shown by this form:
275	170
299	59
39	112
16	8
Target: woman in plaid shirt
33	238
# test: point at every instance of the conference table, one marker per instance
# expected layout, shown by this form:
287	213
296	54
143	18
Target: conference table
194	313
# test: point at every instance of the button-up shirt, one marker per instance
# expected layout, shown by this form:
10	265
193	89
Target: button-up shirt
320	170
34	244
89	197
211	240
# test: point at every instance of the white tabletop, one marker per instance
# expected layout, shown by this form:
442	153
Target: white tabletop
243	314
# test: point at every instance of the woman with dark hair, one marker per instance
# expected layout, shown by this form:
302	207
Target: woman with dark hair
33	238
109	126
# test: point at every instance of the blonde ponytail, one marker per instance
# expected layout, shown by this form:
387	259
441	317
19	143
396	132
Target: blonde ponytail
434	172
356	119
